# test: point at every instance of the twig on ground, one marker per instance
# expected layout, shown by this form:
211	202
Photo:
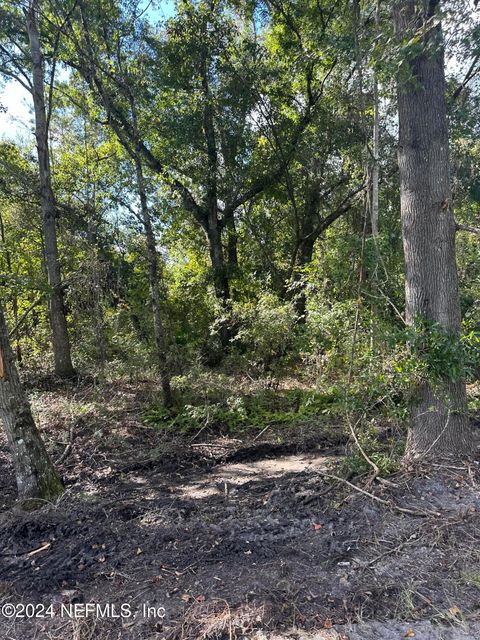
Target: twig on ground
68	448
399	547
209	444
387	503
261	433
386	482
207	422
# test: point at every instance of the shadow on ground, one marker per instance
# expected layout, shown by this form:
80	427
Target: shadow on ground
228	540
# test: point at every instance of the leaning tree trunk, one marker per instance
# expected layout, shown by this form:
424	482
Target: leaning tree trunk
35	473
60	340
439	423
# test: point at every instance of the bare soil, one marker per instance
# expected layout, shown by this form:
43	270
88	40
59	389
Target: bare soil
232	538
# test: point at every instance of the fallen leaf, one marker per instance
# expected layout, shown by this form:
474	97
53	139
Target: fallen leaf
410	633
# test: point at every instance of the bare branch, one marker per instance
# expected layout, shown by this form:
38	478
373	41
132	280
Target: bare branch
467	227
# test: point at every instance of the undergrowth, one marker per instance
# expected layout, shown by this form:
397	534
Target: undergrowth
236	412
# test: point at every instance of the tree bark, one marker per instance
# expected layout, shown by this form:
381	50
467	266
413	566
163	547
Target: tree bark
60	339
439	424
220	277
35	474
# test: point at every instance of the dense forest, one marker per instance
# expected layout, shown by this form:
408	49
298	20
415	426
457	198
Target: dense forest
239	305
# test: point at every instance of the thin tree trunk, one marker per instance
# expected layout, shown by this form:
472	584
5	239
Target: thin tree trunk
439	423
60	339
213	228
153	270
96	284
362	223
8	259
158	328
96	270
35	474
376	139
304	258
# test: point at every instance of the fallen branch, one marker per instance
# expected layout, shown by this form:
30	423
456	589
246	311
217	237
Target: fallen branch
44	547
387	503
68	448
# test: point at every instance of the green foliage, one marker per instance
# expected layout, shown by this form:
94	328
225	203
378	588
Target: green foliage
289	117
436	350
266	327
436	354
206	400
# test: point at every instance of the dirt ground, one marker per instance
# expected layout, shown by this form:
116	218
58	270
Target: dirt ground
225	538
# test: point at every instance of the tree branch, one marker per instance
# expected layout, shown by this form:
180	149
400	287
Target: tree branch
467	227
471	73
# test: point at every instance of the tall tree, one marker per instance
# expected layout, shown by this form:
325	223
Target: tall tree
153	277
26	64
60	339
439	423
376	137
35	473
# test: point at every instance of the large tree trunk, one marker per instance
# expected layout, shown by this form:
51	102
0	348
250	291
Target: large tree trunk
158	327
35	474
221	280
439	423
60	340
